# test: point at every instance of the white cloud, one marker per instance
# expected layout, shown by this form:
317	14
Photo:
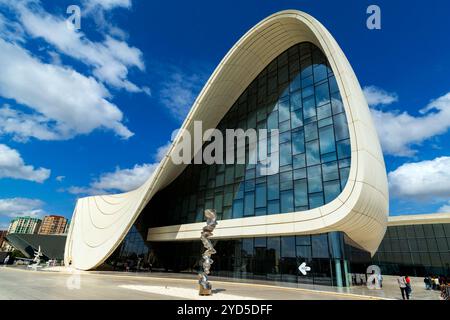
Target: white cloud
378	97
445	208
422	181
178	93
162	151
66	102
60	178
110	59
400	131
13	166
121	180
20	207
109	4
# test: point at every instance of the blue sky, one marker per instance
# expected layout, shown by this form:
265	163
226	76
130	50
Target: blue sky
82	112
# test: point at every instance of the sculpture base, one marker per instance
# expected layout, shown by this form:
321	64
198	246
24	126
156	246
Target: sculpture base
204	292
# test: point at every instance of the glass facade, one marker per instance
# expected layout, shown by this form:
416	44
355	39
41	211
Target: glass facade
417	250
271	258
298	95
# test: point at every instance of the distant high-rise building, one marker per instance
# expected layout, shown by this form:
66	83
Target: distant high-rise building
24	225
3	234
53	225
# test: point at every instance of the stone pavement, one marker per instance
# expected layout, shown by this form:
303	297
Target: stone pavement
62	283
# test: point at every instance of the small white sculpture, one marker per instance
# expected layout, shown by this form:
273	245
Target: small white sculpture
37	259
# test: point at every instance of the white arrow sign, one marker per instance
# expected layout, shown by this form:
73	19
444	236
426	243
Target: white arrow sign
304	268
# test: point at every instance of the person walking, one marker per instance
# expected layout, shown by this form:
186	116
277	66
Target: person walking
402	285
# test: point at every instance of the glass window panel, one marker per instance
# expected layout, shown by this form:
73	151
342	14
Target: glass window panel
332	189
311	132
315	179
288	247
325	122
296	100
238	208
320	246
261	211
287	201
283	75
432	245
285	154
312	153
272	85
308	91
286	181
324	112
340	123
273	187
220	179
283	110
330	171
285	137
260	242
329	157
295	83
320	72
344	172
309	107
301	193
419	231
336	103
300	174
298	142
315	200
273	207
308	81
344	163
304	252
322	94
272	121
229	174
261	197
442	245
333	84
343	148
297	118
303	240
326	138
299	161
249	204
438	230
218	203
227	213
285	126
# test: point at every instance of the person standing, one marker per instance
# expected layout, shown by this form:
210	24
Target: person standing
408	286
427	281
402	285
436	283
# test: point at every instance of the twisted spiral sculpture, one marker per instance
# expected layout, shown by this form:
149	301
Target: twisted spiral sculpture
205	286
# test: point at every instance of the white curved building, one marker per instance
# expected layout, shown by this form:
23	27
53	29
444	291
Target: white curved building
286	73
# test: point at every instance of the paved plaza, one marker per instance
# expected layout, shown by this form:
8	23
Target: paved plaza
61	284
